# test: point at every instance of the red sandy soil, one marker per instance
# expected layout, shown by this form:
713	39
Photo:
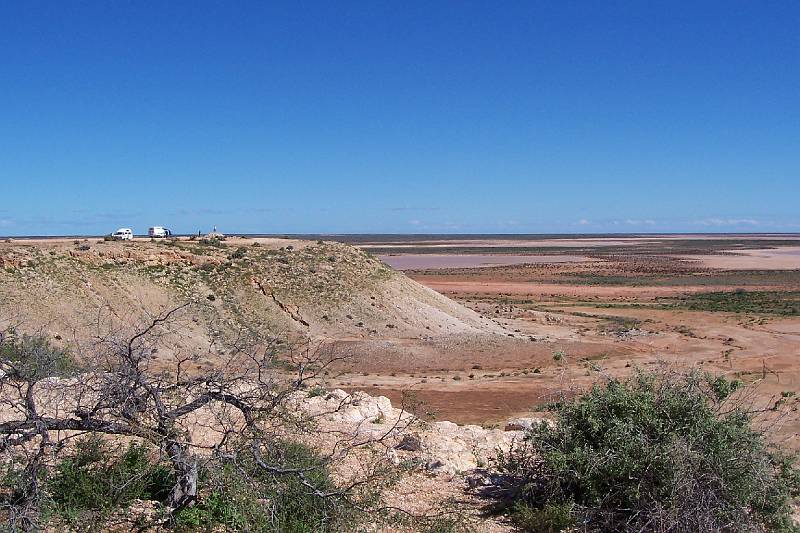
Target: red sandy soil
542	301
511	380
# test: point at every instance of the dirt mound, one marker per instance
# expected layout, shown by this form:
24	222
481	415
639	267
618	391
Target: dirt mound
321	290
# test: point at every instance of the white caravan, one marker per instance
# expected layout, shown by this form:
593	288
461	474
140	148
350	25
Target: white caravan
159	232
123	234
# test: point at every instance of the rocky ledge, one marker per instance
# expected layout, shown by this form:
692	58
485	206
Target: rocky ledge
441	447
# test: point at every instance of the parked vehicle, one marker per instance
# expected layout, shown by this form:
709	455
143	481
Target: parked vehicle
159	232
123	234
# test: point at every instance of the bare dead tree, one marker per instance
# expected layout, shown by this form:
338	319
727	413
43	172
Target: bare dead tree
121	388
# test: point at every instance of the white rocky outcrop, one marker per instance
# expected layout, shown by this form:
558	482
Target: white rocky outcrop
441	447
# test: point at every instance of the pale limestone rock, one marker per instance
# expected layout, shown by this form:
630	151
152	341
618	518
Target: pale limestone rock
443	447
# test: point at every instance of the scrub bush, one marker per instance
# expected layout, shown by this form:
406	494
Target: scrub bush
27	357
97	479
238	495
658	452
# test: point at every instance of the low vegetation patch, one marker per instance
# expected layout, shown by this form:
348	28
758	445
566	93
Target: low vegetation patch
618	325
739	301
238	495
97	479
33	357
658	452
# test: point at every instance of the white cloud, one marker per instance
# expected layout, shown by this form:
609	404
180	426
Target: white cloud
411	208
717	222
583	222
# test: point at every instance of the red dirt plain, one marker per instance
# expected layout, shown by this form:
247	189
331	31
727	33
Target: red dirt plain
626	302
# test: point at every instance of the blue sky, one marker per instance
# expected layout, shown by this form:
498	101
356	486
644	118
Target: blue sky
445	117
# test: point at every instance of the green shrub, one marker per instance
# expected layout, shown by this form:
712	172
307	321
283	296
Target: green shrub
215	242
549	518
34	358
207	267
239	253
96	479
240	496
316	391
666	451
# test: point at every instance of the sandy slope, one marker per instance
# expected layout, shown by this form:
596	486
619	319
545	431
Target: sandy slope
75	290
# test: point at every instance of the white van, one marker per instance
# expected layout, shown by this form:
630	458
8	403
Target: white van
123	234
159	232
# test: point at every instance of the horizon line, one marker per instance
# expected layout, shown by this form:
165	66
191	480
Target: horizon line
423	234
